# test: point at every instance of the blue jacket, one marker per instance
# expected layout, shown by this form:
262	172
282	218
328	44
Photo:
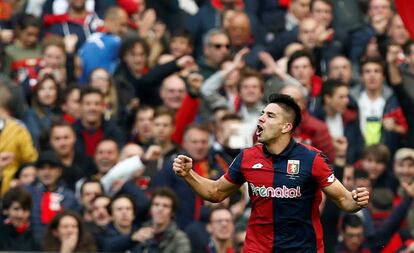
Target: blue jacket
37	189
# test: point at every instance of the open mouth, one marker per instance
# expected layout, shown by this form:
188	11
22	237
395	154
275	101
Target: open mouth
259	130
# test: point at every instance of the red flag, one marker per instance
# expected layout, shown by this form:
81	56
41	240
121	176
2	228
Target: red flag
406	9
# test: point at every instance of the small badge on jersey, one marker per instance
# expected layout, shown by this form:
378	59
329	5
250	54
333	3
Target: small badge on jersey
293	167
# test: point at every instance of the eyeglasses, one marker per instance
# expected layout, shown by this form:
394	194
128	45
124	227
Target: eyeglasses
218	46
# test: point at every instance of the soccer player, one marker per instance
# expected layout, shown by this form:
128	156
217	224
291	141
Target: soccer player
285	180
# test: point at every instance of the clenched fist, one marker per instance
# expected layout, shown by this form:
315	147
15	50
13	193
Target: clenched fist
182	165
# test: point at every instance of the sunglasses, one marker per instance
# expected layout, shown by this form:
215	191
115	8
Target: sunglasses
218	46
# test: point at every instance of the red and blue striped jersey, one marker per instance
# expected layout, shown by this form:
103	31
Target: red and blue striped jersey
285	193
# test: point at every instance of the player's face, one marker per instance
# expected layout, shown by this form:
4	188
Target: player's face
272	124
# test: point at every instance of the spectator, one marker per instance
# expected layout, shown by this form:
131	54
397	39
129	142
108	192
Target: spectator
76	165
16	234
106	156
66	233
101	49
172	92
89	190
16	146
118	236
92	127
221	230
342	122
77	20
196	144
25	175
70	104
24	53
142	131
181	44
161	233
49	194
102	80
341	68
45	108
352	231
381	118
100	218
375	160
216	47
134	78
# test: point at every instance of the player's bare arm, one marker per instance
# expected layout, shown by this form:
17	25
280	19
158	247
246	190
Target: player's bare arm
346	200
211	190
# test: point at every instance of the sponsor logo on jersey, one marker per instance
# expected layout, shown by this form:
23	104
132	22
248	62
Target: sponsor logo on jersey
257	166
293	167
278	192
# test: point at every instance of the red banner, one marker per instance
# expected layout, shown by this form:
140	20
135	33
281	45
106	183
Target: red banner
406	9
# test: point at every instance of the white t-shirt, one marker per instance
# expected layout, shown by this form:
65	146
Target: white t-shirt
370	109
335	125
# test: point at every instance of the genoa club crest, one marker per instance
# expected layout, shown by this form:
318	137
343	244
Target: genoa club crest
293	167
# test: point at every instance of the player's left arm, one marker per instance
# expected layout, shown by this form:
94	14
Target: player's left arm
333	188
346	200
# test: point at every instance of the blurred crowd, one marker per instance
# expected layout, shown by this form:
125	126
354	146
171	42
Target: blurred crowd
98	97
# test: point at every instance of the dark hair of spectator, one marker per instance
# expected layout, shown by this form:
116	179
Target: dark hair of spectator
109	139
182	33
101	196
376	60
129	43
165	111
379	152
53	40
122	196
68	91
361	174
27	20
289	105
52	243
87	90
329	87
21	169
299	54
61	123
327	2
90	181
36	103
351	220
408	48
168	193
17	194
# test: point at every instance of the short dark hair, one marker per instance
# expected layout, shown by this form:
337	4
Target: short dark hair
129	43
407	47
163	110
250	73
299	54
121	196
351	220
27	20
168	193
68	90
89	90
91	180
373	59
289	105
182	33
379	152
329	87
198	126
19	195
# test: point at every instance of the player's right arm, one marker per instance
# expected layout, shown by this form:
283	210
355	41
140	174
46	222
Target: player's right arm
211	190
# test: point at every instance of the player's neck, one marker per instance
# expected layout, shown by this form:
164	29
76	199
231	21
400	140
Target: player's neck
278	145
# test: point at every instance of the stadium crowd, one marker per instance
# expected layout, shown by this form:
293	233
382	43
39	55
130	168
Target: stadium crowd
98	97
